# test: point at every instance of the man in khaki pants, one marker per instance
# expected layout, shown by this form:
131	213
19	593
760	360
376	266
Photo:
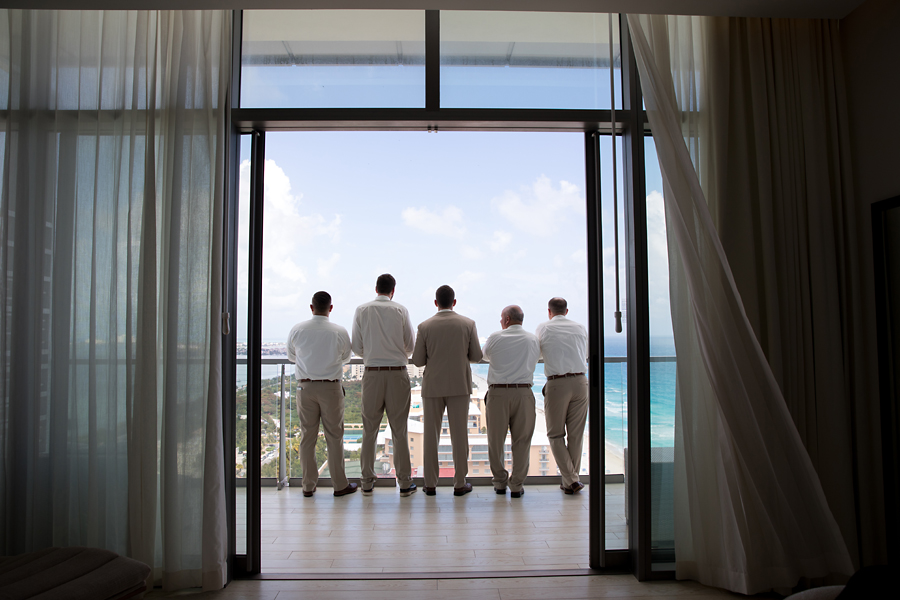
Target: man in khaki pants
564	348
383	338
513	354
445	345
319	349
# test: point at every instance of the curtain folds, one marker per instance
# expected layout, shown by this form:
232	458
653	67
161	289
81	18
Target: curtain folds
746	117
111	198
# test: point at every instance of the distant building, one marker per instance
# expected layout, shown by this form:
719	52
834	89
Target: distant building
541	462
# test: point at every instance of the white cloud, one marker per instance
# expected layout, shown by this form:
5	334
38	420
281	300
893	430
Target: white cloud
540	209
470	252
501	241
448	222
291	230
465	280
326	265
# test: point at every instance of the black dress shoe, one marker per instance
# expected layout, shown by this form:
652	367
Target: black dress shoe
576	487
517	494
462	491
430	491
501	492
408	491
347	490
309	494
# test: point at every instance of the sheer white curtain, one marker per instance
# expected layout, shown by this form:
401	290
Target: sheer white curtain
750	511
110	245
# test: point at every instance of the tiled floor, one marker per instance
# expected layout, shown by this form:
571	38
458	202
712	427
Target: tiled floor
383	533
515	588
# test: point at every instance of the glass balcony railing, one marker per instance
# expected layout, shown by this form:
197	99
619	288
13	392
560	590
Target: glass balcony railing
280	440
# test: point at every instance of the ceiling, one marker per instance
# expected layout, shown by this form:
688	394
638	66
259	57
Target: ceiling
826	9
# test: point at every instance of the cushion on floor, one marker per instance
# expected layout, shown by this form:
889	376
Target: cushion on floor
71	574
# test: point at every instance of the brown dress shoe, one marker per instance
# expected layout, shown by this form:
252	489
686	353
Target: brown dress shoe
462	491
430	491
347	490
577	487
309	494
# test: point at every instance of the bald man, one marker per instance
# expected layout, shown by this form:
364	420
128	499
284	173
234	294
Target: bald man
512	354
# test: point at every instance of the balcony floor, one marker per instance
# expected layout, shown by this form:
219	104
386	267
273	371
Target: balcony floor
383	533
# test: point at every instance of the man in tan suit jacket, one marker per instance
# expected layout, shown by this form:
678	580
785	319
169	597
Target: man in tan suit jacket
445	345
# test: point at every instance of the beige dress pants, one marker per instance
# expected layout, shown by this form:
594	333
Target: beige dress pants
457	418
512	409
565	409
321	400
385	392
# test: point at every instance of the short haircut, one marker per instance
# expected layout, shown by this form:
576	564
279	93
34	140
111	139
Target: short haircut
515	313
321	301
558	306
385	284
445	296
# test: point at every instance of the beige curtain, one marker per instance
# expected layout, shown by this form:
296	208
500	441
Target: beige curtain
112	136
747	117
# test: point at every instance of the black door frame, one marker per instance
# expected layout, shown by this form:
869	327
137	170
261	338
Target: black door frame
630	124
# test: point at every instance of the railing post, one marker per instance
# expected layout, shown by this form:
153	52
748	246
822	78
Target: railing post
283	479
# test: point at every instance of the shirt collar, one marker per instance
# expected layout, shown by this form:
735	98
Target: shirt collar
383	298
445	310
319	318
514	328
554	317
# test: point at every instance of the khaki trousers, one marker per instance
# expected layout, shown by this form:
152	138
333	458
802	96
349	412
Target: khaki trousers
321	400
385	392
457	418
512	409
565	409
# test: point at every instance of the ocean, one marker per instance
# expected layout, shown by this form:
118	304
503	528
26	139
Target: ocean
662	391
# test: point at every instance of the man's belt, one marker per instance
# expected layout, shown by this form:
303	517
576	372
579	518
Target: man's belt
549	377
384	368
509	385
319	380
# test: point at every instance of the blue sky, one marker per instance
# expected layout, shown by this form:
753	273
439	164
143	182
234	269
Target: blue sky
499	216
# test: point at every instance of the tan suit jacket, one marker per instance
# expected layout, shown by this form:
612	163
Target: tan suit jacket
445	345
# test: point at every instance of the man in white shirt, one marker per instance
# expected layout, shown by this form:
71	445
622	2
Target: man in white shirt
383	338
512	354
319	349
564	349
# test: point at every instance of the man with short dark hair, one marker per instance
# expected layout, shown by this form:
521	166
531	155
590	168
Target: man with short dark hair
564	348
513	354
383	338
445	345
319	349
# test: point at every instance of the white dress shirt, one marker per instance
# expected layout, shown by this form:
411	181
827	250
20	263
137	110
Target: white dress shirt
319	348
382	333
563	346
513	354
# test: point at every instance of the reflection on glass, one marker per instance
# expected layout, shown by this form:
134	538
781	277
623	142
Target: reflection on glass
615	395
240	331
333	59
528	60
662	372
